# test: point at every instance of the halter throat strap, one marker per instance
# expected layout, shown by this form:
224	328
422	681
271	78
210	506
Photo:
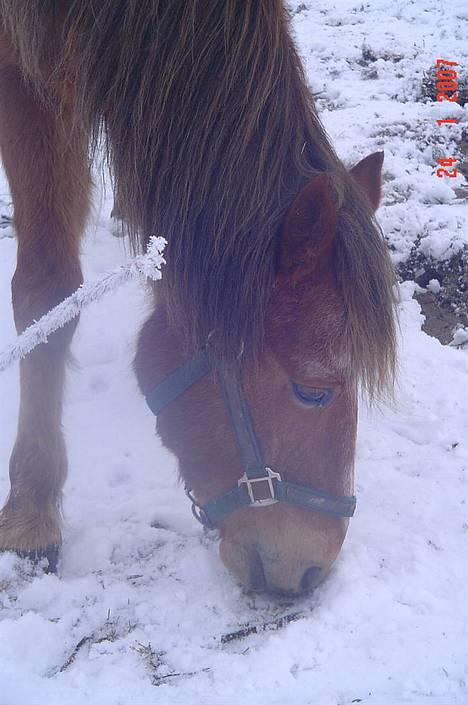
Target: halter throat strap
260	486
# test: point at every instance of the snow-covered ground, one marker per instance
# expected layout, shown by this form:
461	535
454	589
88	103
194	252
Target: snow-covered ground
142	610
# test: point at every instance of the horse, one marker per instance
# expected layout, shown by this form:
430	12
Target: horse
276	306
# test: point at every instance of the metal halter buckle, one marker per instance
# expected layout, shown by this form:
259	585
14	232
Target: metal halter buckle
250	481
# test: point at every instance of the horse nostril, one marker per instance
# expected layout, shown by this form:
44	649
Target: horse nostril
310	578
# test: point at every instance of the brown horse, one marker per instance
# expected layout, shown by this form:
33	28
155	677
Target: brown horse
273	257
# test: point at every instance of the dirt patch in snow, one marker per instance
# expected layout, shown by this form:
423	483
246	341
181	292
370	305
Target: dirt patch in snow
444	292
445	305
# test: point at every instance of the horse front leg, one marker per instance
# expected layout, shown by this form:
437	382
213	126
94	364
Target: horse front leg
46	165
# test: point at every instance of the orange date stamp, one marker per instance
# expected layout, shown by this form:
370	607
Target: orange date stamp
447	87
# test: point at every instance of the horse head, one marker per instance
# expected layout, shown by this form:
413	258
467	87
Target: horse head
298	403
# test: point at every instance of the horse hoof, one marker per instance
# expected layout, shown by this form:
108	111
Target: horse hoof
46	558
50	554
36	537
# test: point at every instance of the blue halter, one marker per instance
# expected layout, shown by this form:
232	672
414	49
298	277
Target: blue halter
259	486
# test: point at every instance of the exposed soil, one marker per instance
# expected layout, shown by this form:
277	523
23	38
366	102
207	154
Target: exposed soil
447	309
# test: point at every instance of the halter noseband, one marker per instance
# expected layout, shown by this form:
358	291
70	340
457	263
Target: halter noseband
259	486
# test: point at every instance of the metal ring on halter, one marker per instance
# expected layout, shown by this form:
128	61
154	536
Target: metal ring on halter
198	511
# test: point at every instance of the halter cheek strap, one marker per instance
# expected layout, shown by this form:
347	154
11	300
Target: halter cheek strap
260	486
178	382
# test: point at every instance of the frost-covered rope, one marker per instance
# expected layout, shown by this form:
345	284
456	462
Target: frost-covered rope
147	265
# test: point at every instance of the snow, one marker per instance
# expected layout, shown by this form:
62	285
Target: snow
460	337
142	610
434	286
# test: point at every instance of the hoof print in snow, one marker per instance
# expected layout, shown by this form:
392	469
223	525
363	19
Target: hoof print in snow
156	524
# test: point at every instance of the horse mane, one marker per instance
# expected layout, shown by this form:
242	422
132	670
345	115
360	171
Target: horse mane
210	131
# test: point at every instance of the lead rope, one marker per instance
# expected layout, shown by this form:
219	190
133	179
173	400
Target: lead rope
147	266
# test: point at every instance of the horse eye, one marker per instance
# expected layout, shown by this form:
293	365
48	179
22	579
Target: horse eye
310	396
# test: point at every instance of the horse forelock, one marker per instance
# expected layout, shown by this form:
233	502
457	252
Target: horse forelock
366	279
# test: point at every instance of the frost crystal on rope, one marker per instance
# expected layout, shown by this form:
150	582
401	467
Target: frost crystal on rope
147	265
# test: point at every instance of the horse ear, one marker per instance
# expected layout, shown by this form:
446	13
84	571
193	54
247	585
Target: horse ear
368	174
309	230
